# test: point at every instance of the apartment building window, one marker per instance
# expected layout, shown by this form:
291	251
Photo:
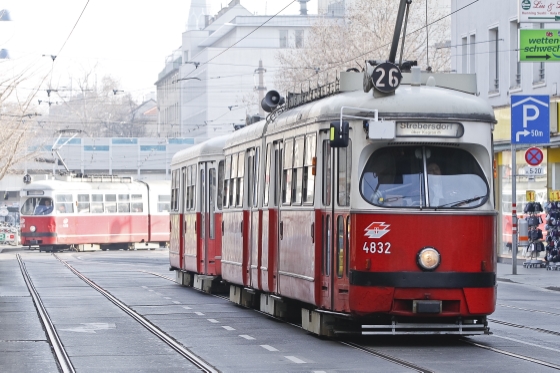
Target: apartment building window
283	38
464	55
493	61
299	38
514	64
472	54
538	68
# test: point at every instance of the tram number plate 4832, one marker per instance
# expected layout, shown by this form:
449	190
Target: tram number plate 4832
377	247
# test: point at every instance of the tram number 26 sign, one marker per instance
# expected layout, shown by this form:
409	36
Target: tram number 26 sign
386	77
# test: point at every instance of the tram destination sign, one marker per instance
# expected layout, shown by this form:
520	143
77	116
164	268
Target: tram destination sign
425	129
539	45
538	11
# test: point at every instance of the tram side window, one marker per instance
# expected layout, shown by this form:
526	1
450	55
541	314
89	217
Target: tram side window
220	189
83	204
250	178
111	203
187	189
287	172
124	203
136	204
326	173
267	175
240	175
183	190
344	174
308	181
163	204
255	185
297	184
64	204
192	186
232	181
174	191
96	203
227	182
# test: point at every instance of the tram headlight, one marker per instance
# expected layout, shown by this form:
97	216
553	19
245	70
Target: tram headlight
428	258
32	228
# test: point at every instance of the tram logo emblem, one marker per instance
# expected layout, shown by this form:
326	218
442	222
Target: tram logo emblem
377	230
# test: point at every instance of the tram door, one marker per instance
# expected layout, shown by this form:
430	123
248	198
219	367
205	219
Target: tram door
204	212
254	226
326	223
335	207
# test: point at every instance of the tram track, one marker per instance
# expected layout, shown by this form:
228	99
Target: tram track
167	339
58	350
410	365
407	364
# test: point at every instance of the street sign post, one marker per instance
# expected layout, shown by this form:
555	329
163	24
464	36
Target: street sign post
534	156
541	11
539	45
530	119
529	125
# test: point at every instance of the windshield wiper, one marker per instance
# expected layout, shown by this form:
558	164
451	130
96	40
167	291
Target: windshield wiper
459	203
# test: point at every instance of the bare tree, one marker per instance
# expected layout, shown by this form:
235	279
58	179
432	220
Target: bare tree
17	120
333	45
97	107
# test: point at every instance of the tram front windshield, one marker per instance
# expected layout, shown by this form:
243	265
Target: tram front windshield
37	206
423	177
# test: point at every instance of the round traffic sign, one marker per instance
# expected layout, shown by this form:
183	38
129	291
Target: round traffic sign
534	156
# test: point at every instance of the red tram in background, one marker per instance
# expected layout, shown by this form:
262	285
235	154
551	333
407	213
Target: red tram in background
95	212
355	212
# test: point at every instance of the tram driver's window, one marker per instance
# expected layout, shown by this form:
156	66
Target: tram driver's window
398	176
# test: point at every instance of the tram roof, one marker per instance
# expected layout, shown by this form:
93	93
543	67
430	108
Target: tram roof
408	102
213	146
68	186
248	133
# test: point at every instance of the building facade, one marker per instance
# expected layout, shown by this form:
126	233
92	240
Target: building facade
214	81
485	42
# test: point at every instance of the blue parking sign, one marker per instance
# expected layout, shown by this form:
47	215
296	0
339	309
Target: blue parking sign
530	119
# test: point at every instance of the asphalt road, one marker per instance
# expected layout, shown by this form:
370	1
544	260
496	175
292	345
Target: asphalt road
98	336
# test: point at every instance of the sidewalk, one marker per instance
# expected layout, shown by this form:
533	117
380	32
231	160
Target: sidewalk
538	277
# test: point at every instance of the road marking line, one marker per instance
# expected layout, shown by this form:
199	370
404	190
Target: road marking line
150	290
248	337
145	287
166	298
228	328
187	307
269	348
176	302
158	293
295	359
199	313
213	320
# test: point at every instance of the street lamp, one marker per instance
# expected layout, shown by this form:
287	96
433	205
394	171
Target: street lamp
190	78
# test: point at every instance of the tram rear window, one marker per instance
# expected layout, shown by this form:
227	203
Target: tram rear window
423	176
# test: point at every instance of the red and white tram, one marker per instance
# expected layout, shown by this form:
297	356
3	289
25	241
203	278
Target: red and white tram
95	212
373	211
196	216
